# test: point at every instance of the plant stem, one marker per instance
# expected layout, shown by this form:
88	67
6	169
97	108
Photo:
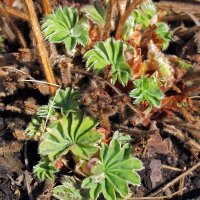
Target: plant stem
40	44
125	16
46	7
107	27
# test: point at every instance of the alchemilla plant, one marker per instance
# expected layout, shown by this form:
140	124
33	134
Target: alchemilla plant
127	55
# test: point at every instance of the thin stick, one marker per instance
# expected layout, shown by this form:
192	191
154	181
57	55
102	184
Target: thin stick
14	12
43	82
107	27
176	180
13	27
171	168
125	16
40	44
159	197
78	71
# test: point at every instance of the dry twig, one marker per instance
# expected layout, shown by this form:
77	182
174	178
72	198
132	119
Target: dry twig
40	44
176	180
159	197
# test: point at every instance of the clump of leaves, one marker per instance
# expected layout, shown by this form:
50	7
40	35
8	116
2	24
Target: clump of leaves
110	53
70	190
45	170
114	171
64	26
147	90
73	133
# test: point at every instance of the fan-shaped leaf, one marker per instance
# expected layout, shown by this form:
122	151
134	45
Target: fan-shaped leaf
118	170
147	89
67	101
45	170
72	133
109	52
64	26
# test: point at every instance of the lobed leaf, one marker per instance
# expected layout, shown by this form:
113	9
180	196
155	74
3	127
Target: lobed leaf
109	52
45	170
64	26
67	101
72	133
147	89
118	170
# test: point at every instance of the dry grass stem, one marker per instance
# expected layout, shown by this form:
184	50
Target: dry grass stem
40	44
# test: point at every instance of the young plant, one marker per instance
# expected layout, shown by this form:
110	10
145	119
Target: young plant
45	170
64	26
147	90
113	172
109	53
73	133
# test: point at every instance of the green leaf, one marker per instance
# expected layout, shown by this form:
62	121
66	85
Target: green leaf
73	133
142	16
64	26
45	170
67	101
46	110
109	52
70	190
147	89
164	33
35	128
118	170
95	12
